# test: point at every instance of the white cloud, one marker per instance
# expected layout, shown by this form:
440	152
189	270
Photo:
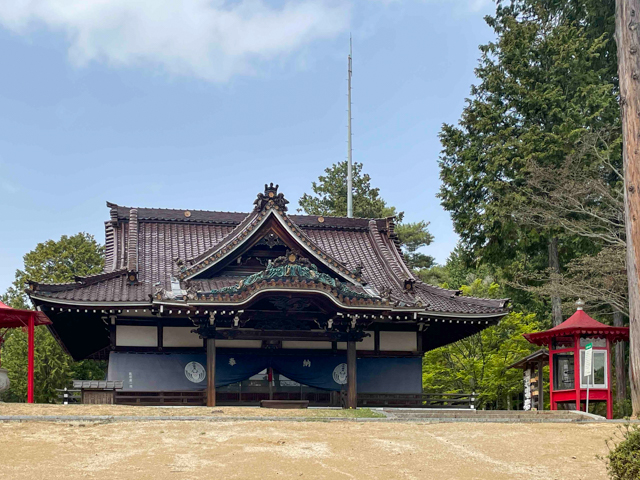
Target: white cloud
209	39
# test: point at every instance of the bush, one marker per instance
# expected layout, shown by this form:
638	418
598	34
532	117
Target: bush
624	455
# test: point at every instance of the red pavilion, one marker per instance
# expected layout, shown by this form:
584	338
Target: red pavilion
566	343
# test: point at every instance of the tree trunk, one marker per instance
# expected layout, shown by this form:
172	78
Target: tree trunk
554	265
621	370
628	43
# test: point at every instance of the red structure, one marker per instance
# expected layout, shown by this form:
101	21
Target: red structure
14	318
566	343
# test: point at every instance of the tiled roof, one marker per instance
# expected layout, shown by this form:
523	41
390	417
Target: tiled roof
164	235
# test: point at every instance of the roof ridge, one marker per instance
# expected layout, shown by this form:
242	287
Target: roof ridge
455	292
114	205
339	216
192	210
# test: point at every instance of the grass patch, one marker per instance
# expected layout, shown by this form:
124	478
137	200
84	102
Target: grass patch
359	413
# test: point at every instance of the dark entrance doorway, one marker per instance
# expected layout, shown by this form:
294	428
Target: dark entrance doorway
269	384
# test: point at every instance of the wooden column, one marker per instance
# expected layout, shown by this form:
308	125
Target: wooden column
211	372
352	393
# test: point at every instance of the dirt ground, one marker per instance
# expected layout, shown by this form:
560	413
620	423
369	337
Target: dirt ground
313	450
132	411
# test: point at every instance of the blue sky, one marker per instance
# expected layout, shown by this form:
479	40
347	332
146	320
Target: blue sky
196	104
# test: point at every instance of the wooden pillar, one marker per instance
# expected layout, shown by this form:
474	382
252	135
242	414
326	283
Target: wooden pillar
540	385
211	372
352	393
30	366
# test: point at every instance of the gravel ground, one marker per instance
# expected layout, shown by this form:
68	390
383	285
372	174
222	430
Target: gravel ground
315	450
125	410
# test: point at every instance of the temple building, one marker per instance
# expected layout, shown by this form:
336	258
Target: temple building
203	306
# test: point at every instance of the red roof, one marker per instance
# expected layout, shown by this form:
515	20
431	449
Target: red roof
579	324
15	318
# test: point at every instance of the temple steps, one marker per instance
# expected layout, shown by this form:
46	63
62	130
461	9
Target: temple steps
494	416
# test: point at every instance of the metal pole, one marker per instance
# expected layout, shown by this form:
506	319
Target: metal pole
349	164
588	383
30	367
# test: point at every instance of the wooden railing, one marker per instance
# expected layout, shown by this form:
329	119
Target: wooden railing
193	398
417	400
397	400
254	398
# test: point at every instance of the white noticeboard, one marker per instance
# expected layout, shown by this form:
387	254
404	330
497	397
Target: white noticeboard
588	368
588	361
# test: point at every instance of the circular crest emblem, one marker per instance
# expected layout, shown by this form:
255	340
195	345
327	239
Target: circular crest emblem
195	372
340	374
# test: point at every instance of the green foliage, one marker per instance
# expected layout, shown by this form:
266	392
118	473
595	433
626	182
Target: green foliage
412	237
330	198
330	195
623	461
89	370
480	363
549	77
51	261
57	262
52	368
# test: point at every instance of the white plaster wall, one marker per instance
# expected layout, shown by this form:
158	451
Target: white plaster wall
368	343
239	343
136	336
398	341
180	337
290	344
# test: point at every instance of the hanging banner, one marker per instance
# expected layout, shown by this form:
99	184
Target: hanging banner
328	372
158	372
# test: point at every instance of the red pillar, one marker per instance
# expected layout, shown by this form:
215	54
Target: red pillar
552	403
31	333
576	368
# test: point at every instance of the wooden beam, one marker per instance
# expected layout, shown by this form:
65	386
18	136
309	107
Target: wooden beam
352	393
211	372
300	335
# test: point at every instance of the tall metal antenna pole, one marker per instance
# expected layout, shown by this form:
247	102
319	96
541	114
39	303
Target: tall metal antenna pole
349	165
